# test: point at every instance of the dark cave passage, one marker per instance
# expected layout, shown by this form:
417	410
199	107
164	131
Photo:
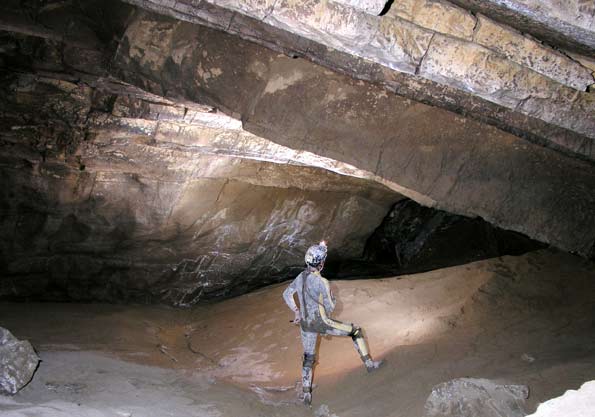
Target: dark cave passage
413	239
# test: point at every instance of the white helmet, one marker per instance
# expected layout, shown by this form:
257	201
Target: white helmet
316	254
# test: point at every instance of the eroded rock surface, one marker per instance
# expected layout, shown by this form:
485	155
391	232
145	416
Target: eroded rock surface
146	158
470	397
568	23
128	196
402	45
18	362
430	155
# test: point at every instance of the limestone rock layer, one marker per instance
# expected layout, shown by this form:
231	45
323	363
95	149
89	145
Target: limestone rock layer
468	397
399	44
146	209
428	154
567	23
173	151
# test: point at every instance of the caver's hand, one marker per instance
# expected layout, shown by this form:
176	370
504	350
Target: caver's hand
297	318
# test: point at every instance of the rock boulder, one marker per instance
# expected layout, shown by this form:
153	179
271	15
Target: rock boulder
18	362
470	397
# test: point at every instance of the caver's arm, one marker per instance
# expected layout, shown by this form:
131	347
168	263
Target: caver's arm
288	297
327	296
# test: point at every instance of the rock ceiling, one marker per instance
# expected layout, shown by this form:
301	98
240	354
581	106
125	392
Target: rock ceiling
484	73
151	147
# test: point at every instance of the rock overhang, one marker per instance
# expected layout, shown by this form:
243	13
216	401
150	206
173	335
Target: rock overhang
432	155
174	104
508	74
129	196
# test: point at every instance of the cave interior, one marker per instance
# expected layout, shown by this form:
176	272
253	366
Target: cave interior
165	165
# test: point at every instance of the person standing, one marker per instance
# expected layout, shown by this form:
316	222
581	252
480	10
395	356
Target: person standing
314	316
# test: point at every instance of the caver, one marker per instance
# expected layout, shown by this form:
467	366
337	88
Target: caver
316	305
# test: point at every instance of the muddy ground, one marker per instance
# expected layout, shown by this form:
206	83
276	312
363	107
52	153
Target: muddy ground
523	320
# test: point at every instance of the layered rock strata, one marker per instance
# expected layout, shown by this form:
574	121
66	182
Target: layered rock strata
147	158
430	155
131	197
568	23
491	68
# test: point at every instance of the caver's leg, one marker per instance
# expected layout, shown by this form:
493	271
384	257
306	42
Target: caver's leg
362	348
309	340
337	328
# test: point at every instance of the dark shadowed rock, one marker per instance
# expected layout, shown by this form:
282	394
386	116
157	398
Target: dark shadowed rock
470	397
18	362
413	237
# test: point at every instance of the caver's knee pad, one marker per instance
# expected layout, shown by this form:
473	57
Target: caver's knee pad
358	338
356	333
309	360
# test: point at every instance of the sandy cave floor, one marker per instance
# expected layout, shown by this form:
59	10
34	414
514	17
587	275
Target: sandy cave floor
524	320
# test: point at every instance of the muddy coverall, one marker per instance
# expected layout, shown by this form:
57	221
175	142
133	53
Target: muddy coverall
316	305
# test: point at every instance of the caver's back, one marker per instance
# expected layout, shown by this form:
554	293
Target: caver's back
316	300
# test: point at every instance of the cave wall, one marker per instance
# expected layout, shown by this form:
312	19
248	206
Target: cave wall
127	216
436	157
145	158
234	225
111	193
